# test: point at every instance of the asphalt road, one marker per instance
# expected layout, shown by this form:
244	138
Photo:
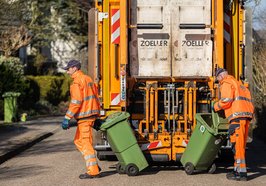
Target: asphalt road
55	161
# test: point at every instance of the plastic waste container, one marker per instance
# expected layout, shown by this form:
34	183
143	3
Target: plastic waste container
10	106
205	142
124	144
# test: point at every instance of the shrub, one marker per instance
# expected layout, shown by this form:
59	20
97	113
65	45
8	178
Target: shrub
12	75
53	89
12	79
47	95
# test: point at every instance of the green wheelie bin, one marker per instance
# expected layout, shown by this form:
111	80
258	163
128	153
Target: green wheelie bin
123	143
10	106
205	142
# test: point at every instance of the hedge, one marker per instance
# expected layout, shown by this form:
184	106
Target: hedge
54	89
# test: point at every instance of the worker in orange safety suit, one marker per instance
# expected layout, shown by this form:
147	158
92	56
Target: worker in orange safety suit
84	107
236	102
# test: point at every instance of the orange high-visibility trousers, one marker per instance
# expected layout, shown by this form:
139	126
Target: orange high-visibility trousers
238	138
84	142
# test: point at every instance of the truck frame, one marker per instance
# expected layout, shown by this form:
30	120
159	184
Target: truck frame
156	60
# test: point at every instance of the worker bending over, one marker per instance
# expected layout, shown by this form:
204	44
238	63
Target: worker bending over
236	102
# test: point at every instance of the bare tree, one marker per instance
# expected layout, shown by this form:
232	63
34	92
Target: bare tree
259	76
13	38
259	65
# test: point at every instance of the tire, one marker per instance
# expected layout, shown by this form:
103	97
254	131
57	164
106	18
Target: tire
212	169
132	169
120	169
189	168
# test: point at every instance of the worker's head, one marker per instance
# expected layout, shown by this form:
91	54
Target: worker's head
220	73
72	66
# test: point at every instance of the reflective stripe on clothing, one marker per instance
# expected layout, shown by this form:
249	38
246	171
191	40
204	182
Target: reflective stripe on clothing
85	99
69	113
89	157
76	102
235	99
91	163
82	113
240	114
86	113
242	98
89	97
227	100
239	161
240	165
238	169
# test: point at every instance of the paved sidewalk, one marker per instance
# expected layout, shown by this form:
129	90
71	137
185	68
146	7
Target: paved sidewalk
16	137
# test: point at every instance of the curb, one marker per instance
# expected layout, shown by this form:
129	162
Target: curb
17	149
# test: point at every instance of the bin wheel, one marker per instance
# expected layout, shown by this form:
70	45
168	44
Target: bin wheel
120	169
212	169
132	169
189	168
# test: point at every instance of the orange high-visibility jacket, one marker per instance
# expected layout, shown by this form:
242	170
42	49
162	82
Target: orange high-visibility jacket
235	99
84	97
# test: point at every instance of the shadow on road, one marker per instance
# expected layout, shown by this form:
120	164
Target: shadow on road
256	159
155	169
108	173
21	171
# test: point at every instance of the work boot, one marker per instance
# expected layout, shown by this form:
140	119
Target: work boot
87	176
231	174
236	176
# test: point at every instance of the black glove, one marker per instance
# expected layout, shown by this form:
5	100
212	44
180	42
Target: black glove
97	124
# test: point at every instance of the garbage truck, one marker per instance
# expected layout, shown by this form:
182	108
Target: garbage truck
156	59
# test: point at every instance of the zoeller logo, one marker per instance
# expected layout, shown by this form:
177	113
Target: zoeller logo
195	43
153	43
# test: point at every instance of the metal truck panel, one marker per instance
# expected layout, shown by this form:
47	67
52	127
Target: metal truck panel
164	47
192	44
154	49
193	54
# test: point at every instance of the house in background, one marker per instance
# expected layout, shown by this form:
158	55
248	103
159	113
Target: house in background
59	52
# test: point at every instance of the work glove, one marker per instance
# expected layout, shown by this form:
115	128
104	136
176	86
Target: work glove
97	124
65	124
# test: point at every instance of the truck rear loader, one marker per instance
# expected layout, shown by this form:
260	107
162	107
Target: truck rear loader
156	60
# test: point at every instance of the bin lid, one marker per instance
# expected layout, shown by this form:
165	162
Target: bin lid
11	94
114	118
202	119
219	120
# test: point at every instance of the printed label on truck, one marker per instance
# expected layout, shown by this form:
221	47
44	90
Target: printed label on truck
123	83
195	43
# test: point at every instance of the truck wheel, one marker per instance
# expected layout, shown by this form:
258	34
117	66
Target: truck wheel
212	169
120	169
132	169
189	168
